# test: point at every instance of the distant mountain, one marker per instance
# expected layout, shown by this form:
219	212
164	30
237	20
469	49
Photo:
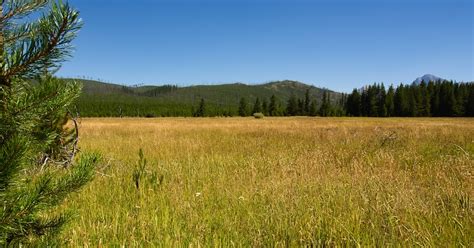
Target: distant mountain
104	99
427	78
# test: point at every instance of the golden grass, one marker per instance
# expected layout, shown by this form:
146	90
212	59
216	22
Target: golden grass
278	182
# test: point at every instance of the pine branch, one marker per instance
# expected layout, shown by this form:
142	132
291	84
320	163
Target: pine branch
19	9
47	45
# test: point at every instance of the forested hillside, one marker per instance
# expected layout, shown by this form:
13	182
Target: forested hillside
103	99
280	98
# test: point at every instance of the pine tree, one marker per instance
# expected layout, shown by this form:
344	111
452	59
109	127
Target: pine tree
372	93
307	103
353	104
447	103
401	101
243	109
425	100
381	107
273	107
460	96
389	101
265	106
292	106
325	109
38	164
412	102
201	111
313	108
257	107
300	108
470	101
435	98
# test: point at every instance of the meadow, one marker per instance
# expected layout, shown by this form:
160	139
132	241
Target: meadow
296	181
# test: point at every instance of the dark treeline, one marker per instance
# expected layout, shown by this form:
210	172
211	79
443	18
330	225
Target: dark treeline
158	90
293	106
131	106
441	98
274	106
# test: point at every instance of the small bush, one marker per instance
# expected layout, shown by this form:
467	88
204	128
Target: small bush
258	115
139	170
141	176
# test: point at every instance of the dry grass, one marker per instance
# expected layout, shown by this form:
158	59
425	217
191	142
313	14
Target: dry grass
278	182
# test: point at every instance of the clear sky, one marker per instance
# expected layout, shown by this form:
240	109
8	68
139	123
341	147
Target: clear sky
337	44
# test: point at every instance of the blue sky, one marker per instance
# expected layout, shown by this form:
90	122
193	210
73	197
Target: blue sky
338	44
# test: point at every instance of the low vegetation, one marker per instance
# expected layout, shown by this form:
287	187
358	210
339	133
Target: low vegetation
277	182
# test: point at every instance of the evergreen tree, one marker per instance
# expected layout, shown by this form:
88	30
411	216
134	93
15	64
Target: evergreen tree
292	106
342	104
372	102
389	102
381	107
273	107
353	104
313	108
38	164
470	101
265	106
447	99
434	98
460	95
243	109
201	111
364	109
307	103
412	102
257	107
401	101
418	99
325	109
425	100
300	109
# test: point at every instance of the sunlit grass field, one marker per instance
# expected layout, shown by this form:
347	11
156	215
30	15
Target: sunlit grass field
277	182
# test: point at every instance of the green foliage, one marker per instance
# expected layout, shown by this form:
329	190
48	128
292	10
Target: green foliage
257	107
141	176
32	47
276	99
107	100
307	102
442	98
313	108
35	158
265	107
38	168
273	108
201	110
292	106
243	109
139	170
325	109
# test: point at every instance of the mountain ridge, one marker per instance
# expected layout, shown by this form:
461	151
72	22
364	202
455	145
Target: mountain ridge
427	78
165	100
